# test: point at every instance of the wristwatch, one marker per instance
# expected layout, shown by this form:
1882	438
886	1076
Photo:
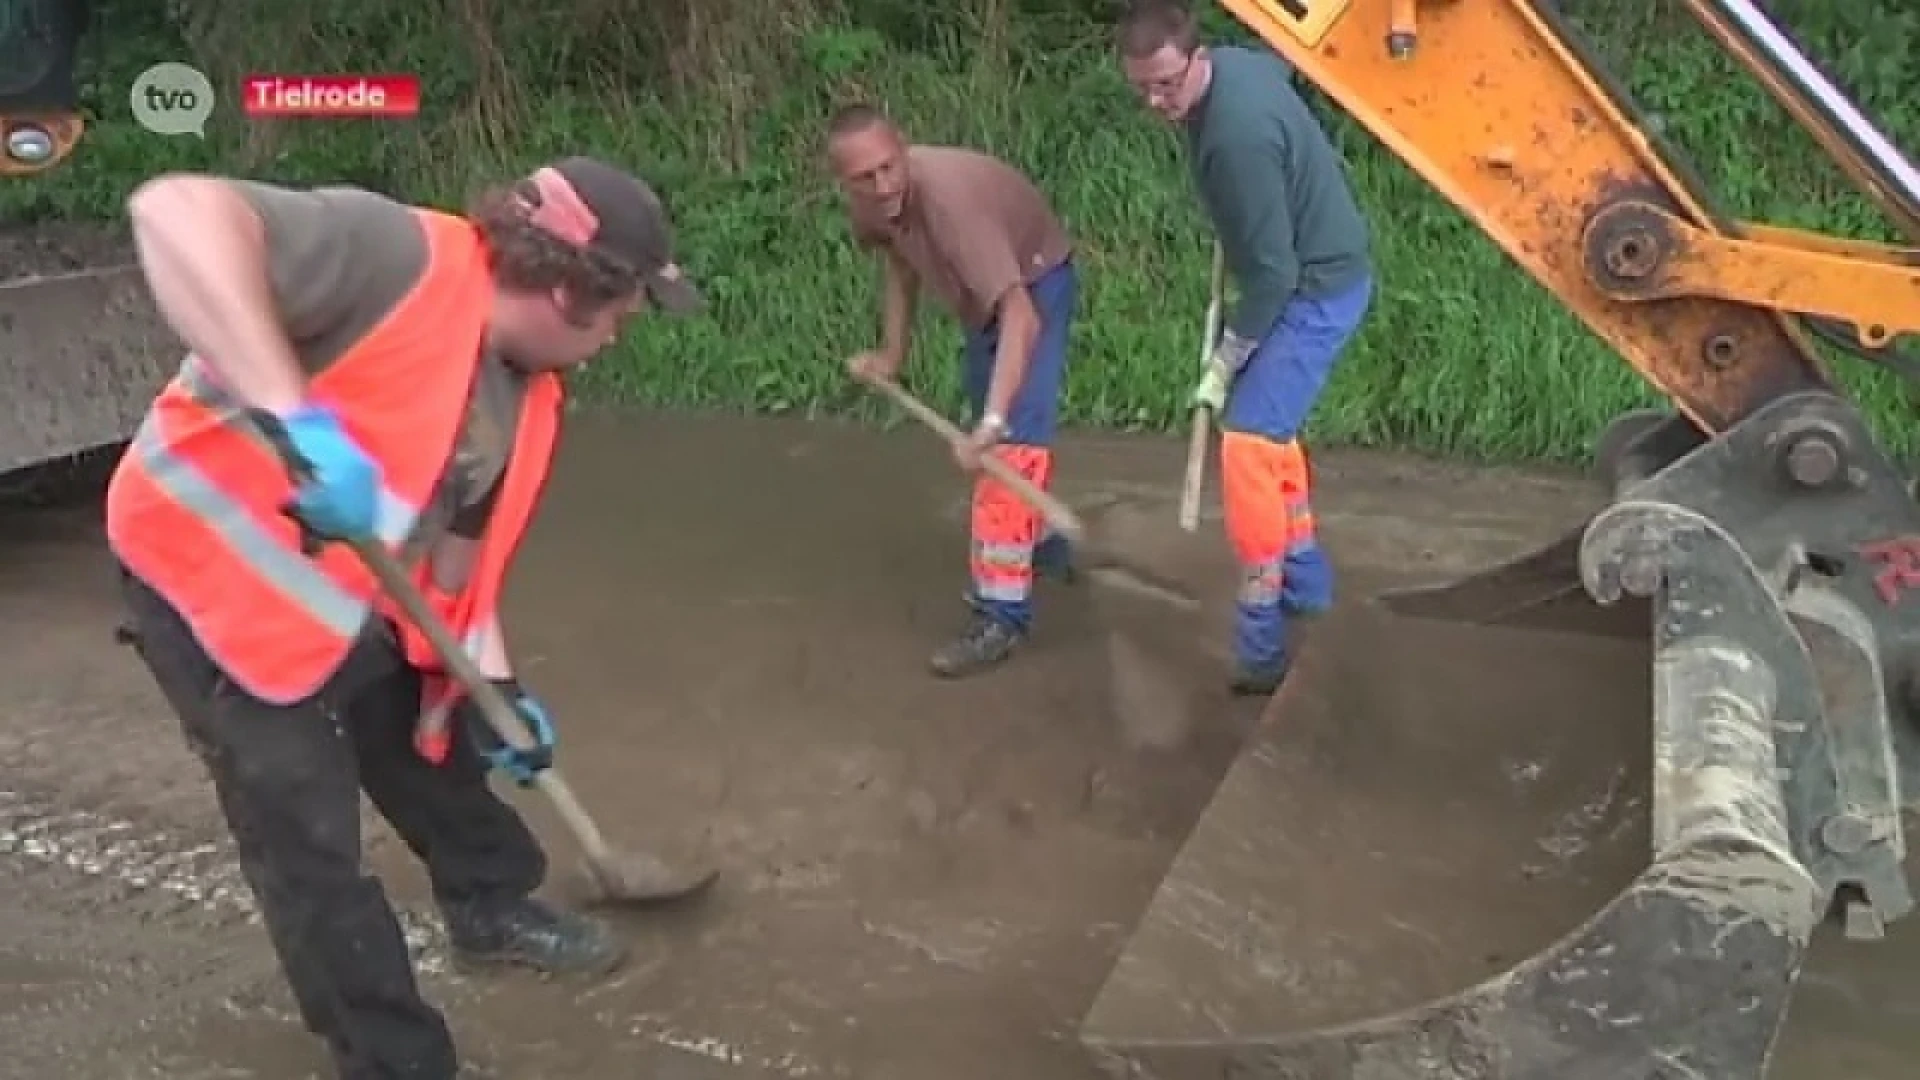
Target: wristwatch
994	425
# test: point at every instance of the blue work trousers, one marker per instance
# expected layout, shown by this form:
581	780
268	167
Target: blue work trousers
1006	535
1264	470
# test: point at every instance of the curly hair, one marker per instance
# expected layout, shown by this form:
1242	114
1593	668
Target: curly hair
527	258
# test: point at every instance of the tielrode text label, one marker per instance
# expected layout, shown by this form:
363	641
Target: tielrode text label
264	96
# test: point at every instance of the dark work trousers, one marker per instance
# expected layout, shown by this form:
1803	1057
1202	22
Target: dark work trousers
288	780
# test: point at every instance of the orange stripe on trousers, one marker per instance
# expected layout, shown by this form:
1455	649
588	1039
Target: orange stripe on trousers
1005	529
1269	515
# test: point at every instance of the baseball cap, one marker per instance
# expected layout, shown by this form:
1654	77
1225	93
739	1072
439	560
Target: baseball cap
607	210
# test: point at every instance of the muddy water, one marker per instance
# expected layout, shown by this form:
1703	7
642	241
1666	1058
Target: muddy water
731	620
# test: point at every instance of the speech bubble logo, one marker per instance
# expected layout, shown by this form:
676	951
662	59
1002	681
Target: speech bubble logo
172	99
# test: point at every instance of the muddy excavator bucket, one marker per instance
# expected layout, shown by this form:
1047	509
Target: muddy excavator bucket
82	353
1419	871
1502	852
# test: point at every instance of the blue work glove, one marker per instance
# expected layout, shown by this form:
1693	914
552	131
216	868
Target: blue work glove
337	482
522	765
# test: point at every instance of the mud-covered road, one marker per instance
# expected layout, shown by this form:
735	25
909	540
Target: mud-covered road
730	619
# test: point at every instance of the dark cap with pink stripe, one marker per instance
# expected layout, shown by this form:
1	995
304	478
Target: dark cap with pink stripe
609	211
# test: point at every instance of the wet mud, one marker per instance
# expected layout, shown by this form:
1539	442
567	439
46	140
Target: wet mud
731	620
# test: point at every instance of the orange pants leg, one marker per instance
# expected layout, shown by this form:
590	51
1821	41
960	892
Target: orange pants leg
1005	533
1269	518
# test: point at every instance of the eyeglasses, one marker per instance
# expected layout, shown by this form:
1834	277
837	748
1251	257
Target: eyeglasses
1167	85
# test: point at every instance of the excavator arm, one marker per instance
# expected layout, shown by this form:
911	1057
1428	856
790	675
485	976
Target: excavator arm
1500	107
1756	536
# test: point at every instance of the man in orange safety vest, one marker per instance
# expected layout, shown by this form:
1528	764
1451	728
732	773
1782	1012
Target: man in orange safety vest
411	360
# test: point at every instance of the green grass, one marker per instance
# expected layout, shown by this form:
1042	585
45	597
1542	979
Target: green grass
1463	354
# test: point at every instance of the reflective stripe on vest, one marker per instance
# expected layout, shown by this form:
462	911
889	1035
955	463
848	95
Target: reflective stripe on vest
194	506
297	577
471	612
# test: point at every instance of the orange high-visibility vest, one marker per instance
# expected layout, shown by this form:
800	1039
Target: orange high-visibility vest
469	613
194	507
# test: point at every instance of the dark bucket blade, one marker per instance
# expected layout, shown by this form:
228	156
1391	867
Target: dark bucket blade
1540	591
1433	860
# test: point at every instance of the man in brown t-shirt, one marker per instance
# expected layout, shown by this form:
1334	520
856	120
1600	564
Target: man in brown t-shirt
974	232
271	288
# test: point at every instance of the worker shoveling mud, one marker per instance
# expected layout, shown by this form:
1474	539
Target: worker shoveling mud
1137	564
1106	562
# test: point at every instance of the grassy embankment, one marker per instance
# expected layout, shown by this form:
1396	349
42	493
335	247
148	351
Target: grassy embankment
1463	355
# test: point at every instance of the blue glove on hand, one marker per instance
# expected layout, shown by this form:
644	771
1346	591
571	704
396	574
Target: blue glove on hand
339	498
522	765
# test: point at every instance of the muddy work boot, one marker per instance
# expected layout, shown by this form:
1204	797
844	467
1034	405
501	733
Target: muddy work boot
1053	560
985	643
1259	680
1261	677
528	933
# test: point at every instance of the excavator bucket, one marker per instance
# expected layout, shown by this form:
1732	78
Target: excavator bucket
82	352
1418	871
1509	851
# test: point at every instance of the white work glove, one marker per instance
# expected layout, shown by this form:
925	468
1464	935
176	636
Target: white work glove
1229	356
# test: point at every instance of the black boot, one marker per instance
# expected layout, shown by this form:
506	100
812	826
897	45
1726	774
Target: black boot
1054	559
985	643
1262	680
530	934
350	1066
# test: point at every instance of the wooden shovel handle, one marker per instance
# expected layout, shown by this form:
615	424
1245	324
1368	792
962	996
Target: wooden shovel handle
1199	438
1058	515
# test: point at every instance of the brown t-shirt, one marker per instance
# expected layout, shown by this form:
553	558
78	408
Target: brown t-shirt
973	227
340	258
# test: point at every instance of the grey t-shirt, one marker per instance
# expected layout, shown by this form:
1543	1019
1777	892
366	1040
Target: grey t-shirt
340	259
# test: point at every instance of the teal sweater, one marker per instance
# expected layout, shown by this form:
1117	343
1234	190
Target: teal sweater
1275	188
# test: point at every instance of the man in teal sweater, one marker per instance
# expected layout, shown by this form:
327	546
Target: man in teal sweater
1297	247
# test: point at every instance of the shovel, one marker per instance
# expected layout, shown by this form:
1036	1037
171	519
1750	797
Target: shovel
619	877
1196	476
1096	559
